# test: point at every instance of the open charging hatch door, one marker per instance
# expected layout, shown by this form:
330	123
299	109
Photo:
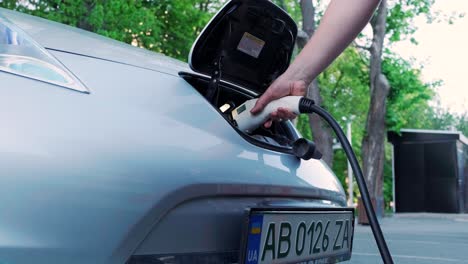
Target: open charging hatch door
247	43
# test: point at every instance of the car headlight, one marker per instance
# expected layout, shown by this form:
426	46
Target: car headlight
21	55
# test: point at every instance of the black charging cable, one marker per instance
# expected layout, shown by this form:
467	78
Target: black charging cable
308	106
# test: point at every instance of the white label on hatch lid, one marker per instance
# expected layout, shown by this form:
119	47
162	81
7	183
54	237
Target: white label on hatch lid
251	45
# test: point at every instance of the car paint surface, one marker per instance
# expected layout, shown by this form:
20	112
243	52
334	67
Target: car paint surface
85	178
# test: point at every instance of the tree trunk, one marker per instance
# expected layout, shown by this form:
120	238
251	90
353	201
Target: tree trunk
321	133
320	130
373	144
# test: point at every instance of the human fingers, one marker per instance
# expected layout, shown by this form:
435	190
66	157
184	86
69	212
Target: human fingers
284	113
279	115
278	89
266	98
268	123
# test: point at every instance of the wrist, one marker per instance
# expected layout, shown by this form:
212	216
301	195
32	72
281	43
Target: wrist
298	73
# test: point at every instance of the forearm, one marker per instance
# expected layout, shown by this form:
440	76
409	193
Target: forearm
341	23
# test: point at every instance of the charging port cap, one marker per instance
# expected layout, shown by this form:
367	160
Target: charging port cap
306	149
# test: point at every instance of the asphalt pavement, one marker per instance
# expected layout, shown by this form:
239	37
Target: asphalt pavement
415	239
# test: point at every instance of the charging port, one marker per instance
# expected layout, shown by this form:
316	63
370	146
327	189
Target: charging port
279	137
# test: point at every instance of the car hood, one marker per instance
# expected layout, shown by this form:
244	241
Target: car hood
56	36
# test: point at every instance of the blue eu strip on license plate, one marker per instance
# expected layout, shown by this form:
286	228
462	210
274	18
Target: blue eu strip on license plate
254	236
298	236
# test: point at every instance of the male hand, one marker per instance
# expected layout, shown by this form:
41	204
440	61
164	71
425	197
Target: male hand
281	87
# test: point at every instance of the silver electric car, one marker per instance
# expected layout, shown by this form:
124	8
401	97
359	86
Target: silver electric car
110	153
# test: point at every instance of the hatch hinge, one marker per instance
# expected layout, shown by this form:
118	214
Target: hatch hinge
212	94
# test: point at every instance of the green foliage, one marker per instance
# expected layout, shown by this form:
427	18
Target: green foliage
127	21
401	15
293	8
303	126
408	99
439	118
182	21
10	4
340	167
344	85
462	123
388	177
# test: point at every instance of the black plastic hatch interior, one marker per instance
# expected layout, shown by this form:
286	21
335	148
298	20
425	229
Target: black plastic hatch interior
249	41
